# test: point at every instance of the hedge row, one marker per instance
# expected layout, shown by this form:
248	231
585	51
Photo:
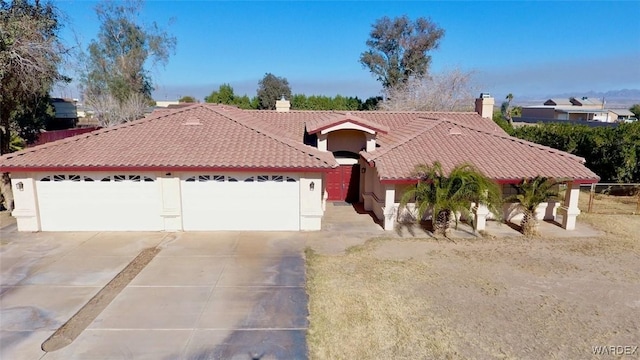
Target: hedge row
611	152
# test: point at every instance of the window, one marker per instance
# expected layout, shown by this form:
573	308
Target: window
135	178
74	178
119	178
277	178
86	178
249	179
218	178
106	179
232	179
58	177
148	179
46	178
290	179
263	178
204	178
191	179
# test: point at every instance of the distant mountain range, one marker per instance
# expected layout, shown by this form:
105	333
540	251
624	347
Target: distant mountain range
623	98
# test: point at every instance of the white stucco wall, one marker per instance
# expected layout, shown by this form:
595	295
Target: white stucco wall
346	140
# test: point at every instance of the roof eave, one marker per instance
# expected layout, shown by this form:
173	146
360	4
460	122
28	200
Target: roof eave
404	181
163	168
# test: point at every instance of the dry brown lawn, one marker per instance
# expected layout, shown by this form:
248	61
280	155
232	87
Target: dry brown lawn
512	298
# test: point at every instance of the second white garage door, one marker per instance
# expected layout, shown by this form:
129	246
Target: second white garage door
249	202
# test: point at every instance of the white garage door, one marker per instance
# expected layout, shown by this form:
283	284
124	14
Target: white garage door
249	202
69	202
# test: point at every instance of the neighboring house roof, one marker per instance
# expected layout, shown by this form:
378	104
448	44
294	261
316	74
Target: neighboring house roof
622	112
558	102
198	137
498	156
584	101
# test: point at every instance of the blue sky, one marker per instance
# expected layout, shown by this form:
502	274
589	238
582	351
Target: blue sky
530	48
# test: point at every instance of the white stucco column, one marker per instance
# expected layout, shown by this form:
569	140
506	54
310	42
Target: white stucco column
171	212
569	209
367	189
390	209
311	201
322	142
25	200
371	142
481	212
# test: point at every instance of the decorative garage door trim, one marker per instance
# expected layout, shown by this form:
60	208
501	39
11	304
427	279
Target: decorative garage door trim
91	178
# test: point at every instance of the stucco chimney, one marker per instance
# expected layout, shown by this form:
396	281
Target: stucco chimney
283	105
484	105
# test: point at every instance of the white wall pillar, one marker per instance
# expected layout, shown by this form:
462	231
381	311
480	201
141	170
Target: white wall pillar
371	142
569	209
481	212
390	209
25	198
322	142
171	196
369	178
311	201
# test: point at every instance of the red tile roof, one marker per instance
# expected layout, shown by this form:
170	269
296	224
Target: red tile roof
332	119
206	136
498	156
198	137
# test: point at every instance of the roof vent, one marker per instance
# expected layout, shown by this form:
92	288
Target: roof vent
192	121
455	131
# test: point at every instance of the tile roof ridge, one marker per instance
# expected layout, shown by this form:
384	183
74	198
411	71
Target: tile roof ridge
513	138
377	155
97	132
264	130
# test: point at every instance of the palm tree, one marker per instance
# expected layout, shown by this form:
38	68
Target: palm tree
450	194
531	193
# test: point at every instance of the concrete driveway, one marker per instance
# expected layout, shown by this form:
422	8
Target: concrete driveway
222	295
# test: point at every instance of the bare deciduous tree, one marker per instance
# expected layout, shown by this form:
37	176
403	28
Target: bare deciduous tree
110	111
447	91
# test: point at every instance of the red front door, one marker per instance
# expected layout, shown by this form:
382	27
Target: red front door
343	183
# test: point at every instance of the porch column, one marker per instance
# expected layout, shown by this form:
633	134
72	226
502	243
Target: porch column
481	212
569	209
322	142
390	210
369	177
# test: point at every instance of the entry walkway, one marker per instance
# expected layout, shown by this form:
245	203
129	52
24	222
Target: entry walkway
343	219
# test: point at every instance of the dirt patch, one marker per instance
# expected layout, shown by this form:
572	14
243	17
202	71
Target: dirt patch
68	332
479	298
6	219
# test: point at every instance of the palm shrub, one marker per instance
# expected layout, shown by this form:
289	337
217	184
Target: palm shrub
450	194
531	193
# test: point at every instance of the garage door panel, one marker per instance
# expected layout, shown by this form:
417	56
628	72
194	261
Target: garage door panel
271	204
125	205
